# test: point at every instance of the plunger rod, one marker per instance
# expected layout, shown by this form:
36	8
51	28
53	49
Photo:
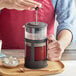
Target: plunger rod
36	13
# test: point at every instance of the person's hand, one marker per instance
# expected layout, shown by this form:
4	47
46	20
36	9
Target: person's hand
20	4
54	49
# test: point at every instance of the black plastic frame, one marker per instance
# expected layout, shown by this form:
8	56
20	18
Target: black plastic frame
32	63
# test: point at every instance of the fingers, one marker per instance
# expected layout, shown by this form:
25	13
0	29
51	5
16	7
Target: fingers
51	37
54	48
19	6
54	58
54	44
28	4
35	3
54	54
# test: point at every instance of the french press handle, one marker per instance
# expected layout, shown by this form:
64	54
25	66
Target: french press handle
46	46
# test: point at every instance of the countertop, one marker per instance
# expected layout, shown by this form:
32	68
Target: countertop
68	58
67	55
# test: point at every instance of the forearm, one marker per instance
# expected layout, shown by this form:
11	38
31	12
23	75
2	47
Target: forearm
64	38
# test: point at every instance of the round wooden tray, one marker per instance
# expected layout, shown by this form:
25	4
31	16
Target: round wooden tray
52	68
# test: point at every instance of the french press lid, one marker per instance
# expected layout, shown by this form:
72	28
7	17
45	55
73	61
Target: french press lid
36	25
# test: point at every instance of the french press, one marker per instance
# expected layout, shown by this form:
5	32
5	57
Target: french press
35	45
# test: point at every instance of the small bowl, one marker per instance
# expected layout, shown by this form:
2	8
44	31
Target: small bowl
12	63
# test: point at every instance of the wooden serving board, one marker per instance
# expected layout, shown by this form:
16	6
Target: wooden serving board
52	68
